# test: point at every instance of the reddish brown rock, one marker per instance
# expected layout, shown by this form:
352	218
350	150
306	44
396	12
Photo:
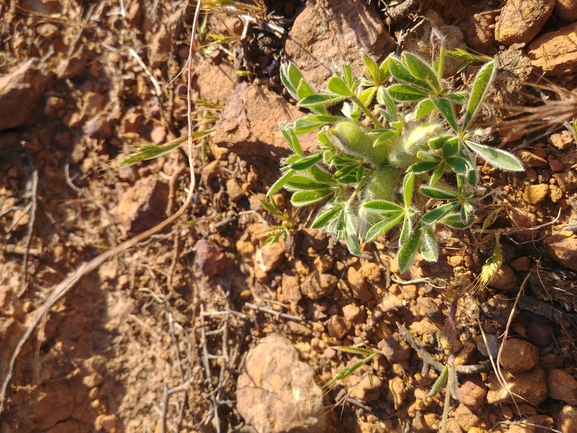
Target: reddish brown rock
338	326
277	393
472	392
555	53
21	92
562	386
533	424
519	355
270	256
566	10
563	249
318	285
215	82
358	284
521	20
248	123
535	194
478	30
328	33
365	389
530	385
567	420
209	259
504	279
143	205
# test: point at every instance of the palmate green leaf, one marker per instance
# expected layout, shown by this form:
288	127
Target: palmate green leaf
383	135
406	229
290	137
280	182
384	98
450	148
402	73
437	174
421	70
304	198
319	100
351	237
303	183
429	248
367	95
383	207
496	157
454	220
372	68
345	171
438	213
313	122
438	193
327	216
404	93
458	97
338	86
383	226
445	107
320	175
306	162
479	92
423	166
290	77
424	108
304	90
407	190
407	252
458	164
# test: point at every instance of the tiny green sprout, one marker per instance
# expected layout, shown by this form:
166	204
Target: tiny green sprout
400	157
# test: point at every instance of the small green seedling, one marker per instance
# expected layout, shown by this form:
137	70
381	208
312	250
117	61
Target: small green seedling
396	149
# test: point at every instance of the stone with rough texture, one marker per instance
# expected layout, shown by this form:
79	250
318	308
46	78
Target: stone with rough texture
530	385
566	10
519	355
567	420
358	284
562	386
555	53
248	124
338	326
277	393
317	285
504	279
535	194
563	249
472	392
143	205
532	424
328	33
467	419
210	260
21	92
367	389
270	256
521	20
478	28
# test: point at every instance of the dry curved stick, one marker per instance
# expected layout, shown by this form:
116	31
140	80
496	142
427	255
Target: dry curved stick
69	282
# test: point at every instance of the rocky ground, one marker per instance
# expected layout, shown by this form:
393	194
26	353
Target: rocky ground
204	327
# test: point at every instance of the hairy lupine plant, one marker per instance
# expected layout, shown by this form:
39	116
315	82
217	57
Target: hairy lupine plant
396	149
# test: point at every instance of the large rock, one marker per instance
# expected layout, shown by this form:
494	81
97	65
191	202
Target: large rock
21	92
555	53
249	122
521	20
562	386
277	393
563	249
530	386
330	33
566	9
